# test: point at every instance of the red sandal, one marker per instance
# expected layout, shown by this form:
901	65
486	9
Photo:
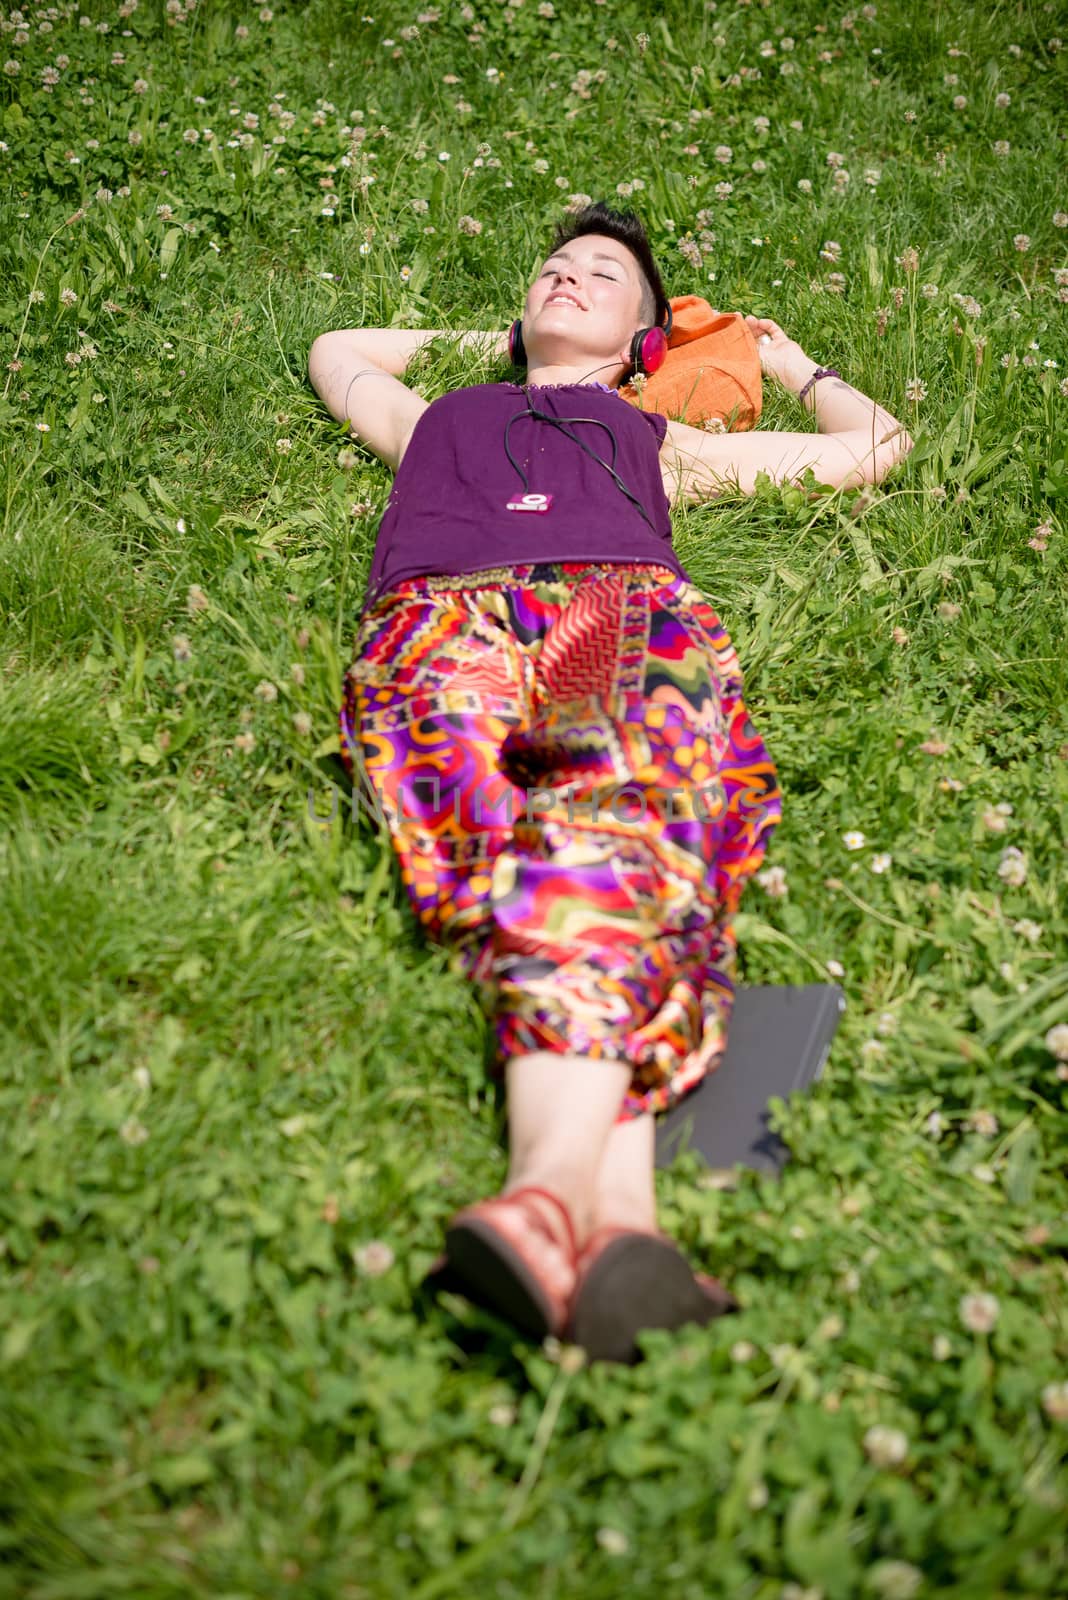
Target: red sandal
629	1281
497	1250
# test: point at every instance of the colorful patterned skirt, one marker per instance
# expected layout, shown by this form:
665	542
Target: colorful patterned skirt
576	796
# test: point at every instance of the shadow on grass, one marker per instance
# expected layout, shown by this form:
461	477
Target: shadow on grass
475	1334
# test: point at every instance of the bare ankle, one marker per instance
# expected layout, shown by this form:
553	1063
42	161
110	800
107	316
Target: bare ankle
621	1208
571	1190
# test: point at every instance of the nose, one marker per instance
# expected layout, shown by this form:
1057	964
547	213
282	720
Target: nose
567	277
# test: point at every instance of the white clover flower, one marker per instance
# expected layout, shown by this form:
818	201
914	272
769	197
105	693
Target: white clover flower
612	1541
773	882
1056	1041
502	1416
743	1350
941	1347
373	1259
979	1312
894	1580
835	969
1012	868
302	723
758	1496
1055	1401
133	1131
984	1123
886	1447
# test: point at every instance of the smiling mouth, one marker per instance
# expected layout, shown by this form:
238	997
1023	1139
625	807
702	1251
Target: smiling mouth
563	300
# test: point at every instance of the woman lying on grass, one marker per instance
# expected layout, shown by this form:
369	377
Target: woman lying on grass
550	716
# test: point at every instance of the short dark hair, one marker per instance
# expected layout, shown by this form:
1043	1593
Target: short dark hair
627	229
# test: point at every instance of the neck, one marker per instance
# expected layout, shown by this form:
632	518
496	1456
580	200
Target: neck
612	373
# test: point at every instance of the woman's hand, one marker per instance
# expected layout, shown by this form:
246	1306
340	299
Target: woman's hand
780	355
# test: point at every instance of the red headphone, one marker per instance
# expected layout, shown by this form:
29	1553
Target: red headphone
648	348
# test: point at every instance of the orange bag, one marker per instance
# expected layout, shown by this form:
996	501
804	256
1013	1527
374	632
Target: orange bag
712	369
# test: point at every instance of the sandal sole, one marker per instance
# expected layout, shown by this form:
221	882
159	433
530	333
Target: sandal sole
495	1275
635	1284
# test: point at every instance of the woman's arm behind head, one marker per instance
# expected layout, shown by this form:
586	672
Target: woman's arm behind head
858	442
356	373
363	391
700	466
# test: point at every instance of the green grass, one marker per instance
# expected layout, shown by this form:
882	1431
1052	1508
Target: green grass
229	1064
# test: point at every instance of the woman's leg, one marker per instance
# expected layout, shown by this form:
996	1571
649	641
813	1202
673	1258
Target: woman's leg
562	1112
625	1191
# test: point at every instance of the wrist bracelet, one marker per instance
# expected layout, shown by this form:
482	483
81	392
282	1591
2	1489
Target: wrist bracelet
820	372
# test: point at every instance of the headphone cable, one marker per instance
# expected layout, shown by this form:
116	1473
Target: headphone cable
561	424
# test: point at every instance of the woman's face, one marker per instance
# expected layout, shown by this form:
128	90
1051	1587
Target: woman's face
585	302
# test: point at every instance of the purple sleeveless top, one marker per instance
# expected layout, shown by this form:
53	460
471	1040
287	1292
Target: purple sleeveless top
449	508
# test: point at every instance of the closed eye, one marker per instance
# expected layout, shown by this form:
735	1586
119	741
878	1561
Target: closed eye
550	272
